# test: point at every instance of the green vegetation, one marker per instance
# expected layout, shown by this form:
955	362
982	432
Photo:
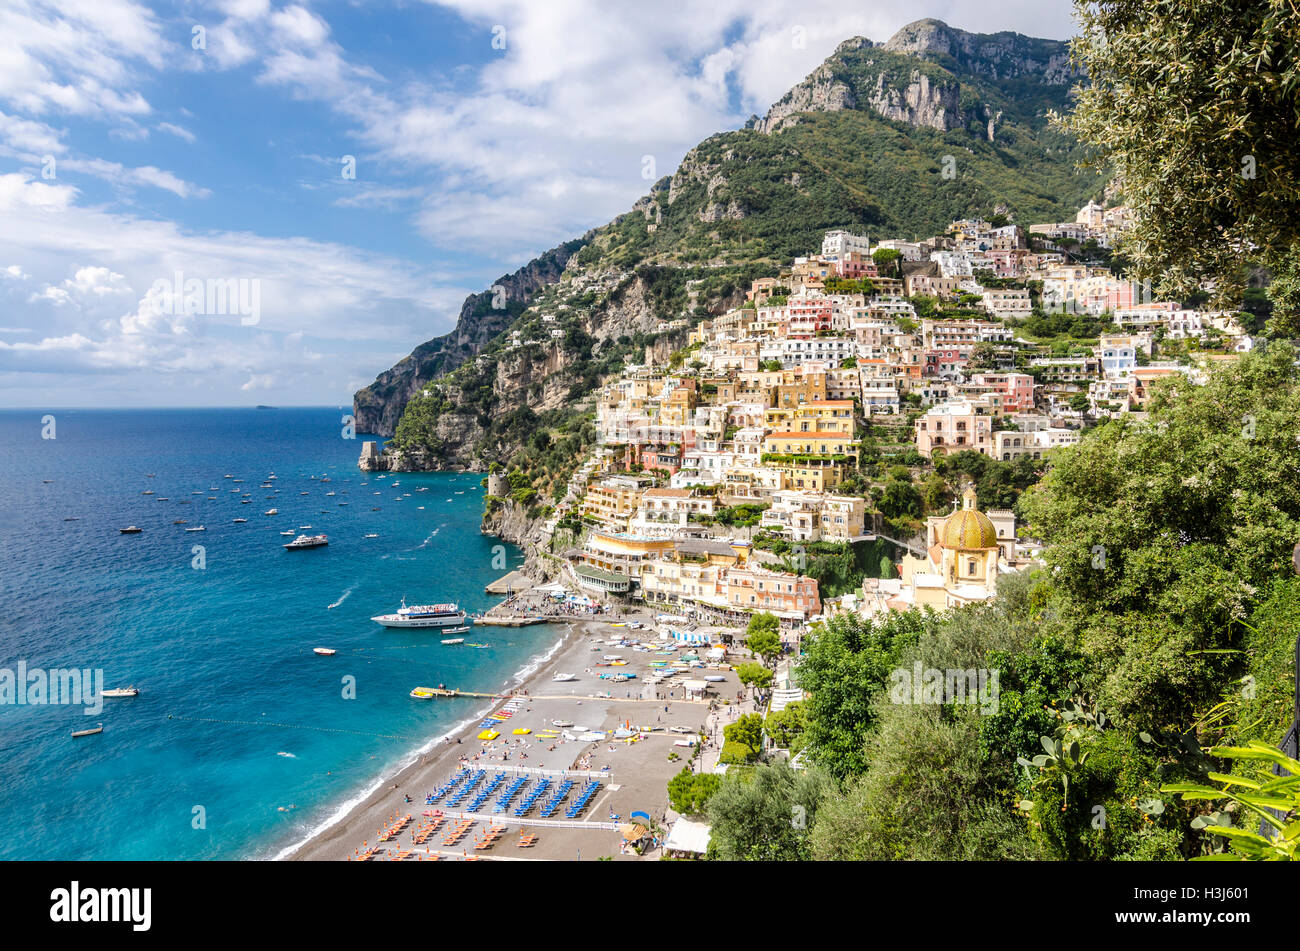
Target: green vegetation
1206	156
689	793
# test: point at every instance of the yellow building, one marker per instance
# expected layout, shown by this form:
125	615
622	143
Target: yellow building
962	560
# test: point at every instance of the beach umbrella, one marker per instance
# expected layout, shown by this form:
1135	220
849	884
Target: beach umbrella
641	815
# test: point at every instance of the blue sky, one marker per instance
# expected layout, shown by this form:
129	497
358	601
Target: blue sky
201	146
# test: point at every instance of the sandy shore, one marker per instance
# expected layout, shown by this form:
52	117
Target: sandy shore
638	772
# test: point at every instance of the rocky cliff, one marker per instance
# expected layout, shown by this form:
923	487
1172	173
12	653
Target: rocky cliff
482	316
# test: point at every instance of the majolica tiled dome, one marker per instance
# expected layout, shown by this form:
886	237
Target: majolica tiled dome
968	529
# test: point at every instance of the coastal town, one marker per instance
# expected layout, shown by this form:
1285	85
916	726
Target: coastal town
777	429
839	416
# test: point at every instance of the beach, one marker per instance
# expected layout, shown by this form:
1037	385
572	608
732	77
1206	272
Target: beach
636	780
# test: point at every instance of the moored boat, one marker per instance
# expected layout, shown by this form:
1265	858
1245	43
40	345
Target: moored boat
449	617
130	530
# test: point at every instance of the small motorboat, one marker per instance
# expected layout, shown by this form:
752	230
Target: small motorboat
242	520
128	691
271	512
324	651
130	530
563	679
715	679
147	492
288	534
179	521
196	528
454	640
562	723
422	693
91	732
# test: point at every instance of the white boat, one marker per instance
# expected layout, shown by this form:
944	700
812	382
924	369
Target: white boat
122	692
91	732
563	678
715	679
422	693
324	651
307	541
562	723
196	528
371	536
287	534
241	520
453	640
271	512
449	617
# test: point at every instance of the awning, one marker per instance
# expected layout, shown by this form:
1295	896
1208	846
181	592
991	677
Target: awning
688	836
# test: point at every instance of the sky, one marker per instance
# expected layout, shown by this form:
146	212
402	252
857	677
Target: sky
244	202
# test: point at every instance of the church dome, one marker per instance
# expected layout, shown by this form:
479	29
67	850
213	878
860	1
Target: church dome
968	529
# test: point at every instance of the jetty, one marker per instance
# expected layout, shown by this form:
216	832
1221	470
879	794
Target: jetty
510	583
509	620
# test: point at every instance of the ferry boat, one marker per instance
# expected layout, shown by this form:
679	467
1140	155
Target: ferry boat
448	617
121	692
307	541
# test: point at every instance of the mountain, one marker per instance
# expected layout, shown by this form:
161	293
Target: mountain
896	139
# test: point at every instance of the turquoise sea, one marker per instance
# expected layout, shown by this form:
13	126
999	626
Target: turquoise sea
242	740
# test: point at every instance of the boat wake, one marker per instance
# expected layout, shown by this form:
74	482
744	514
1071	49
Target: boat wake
342	598
432	535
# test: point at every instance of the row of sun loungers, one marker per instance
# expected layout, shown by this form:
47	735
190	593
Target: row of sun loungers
584	797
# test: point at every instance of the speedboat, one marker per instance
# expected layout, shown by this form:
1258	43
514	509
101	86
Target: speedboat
324	651
563	678
197	528
130	530
122	692
91	732
271	512
454	640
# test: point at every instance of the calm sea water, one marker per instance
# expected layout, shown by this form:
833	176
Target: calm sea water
241	740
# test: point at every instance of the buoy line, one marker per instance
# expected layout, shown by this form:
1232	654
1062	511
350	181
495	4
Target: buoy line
288	726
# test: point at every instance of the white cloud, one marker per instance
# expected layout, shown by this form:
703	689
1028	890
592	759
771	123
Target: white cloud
328	314
178	131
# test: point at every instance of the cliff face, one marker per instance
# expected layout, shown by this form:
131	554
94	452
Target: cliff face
918	77
996	55
379	406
